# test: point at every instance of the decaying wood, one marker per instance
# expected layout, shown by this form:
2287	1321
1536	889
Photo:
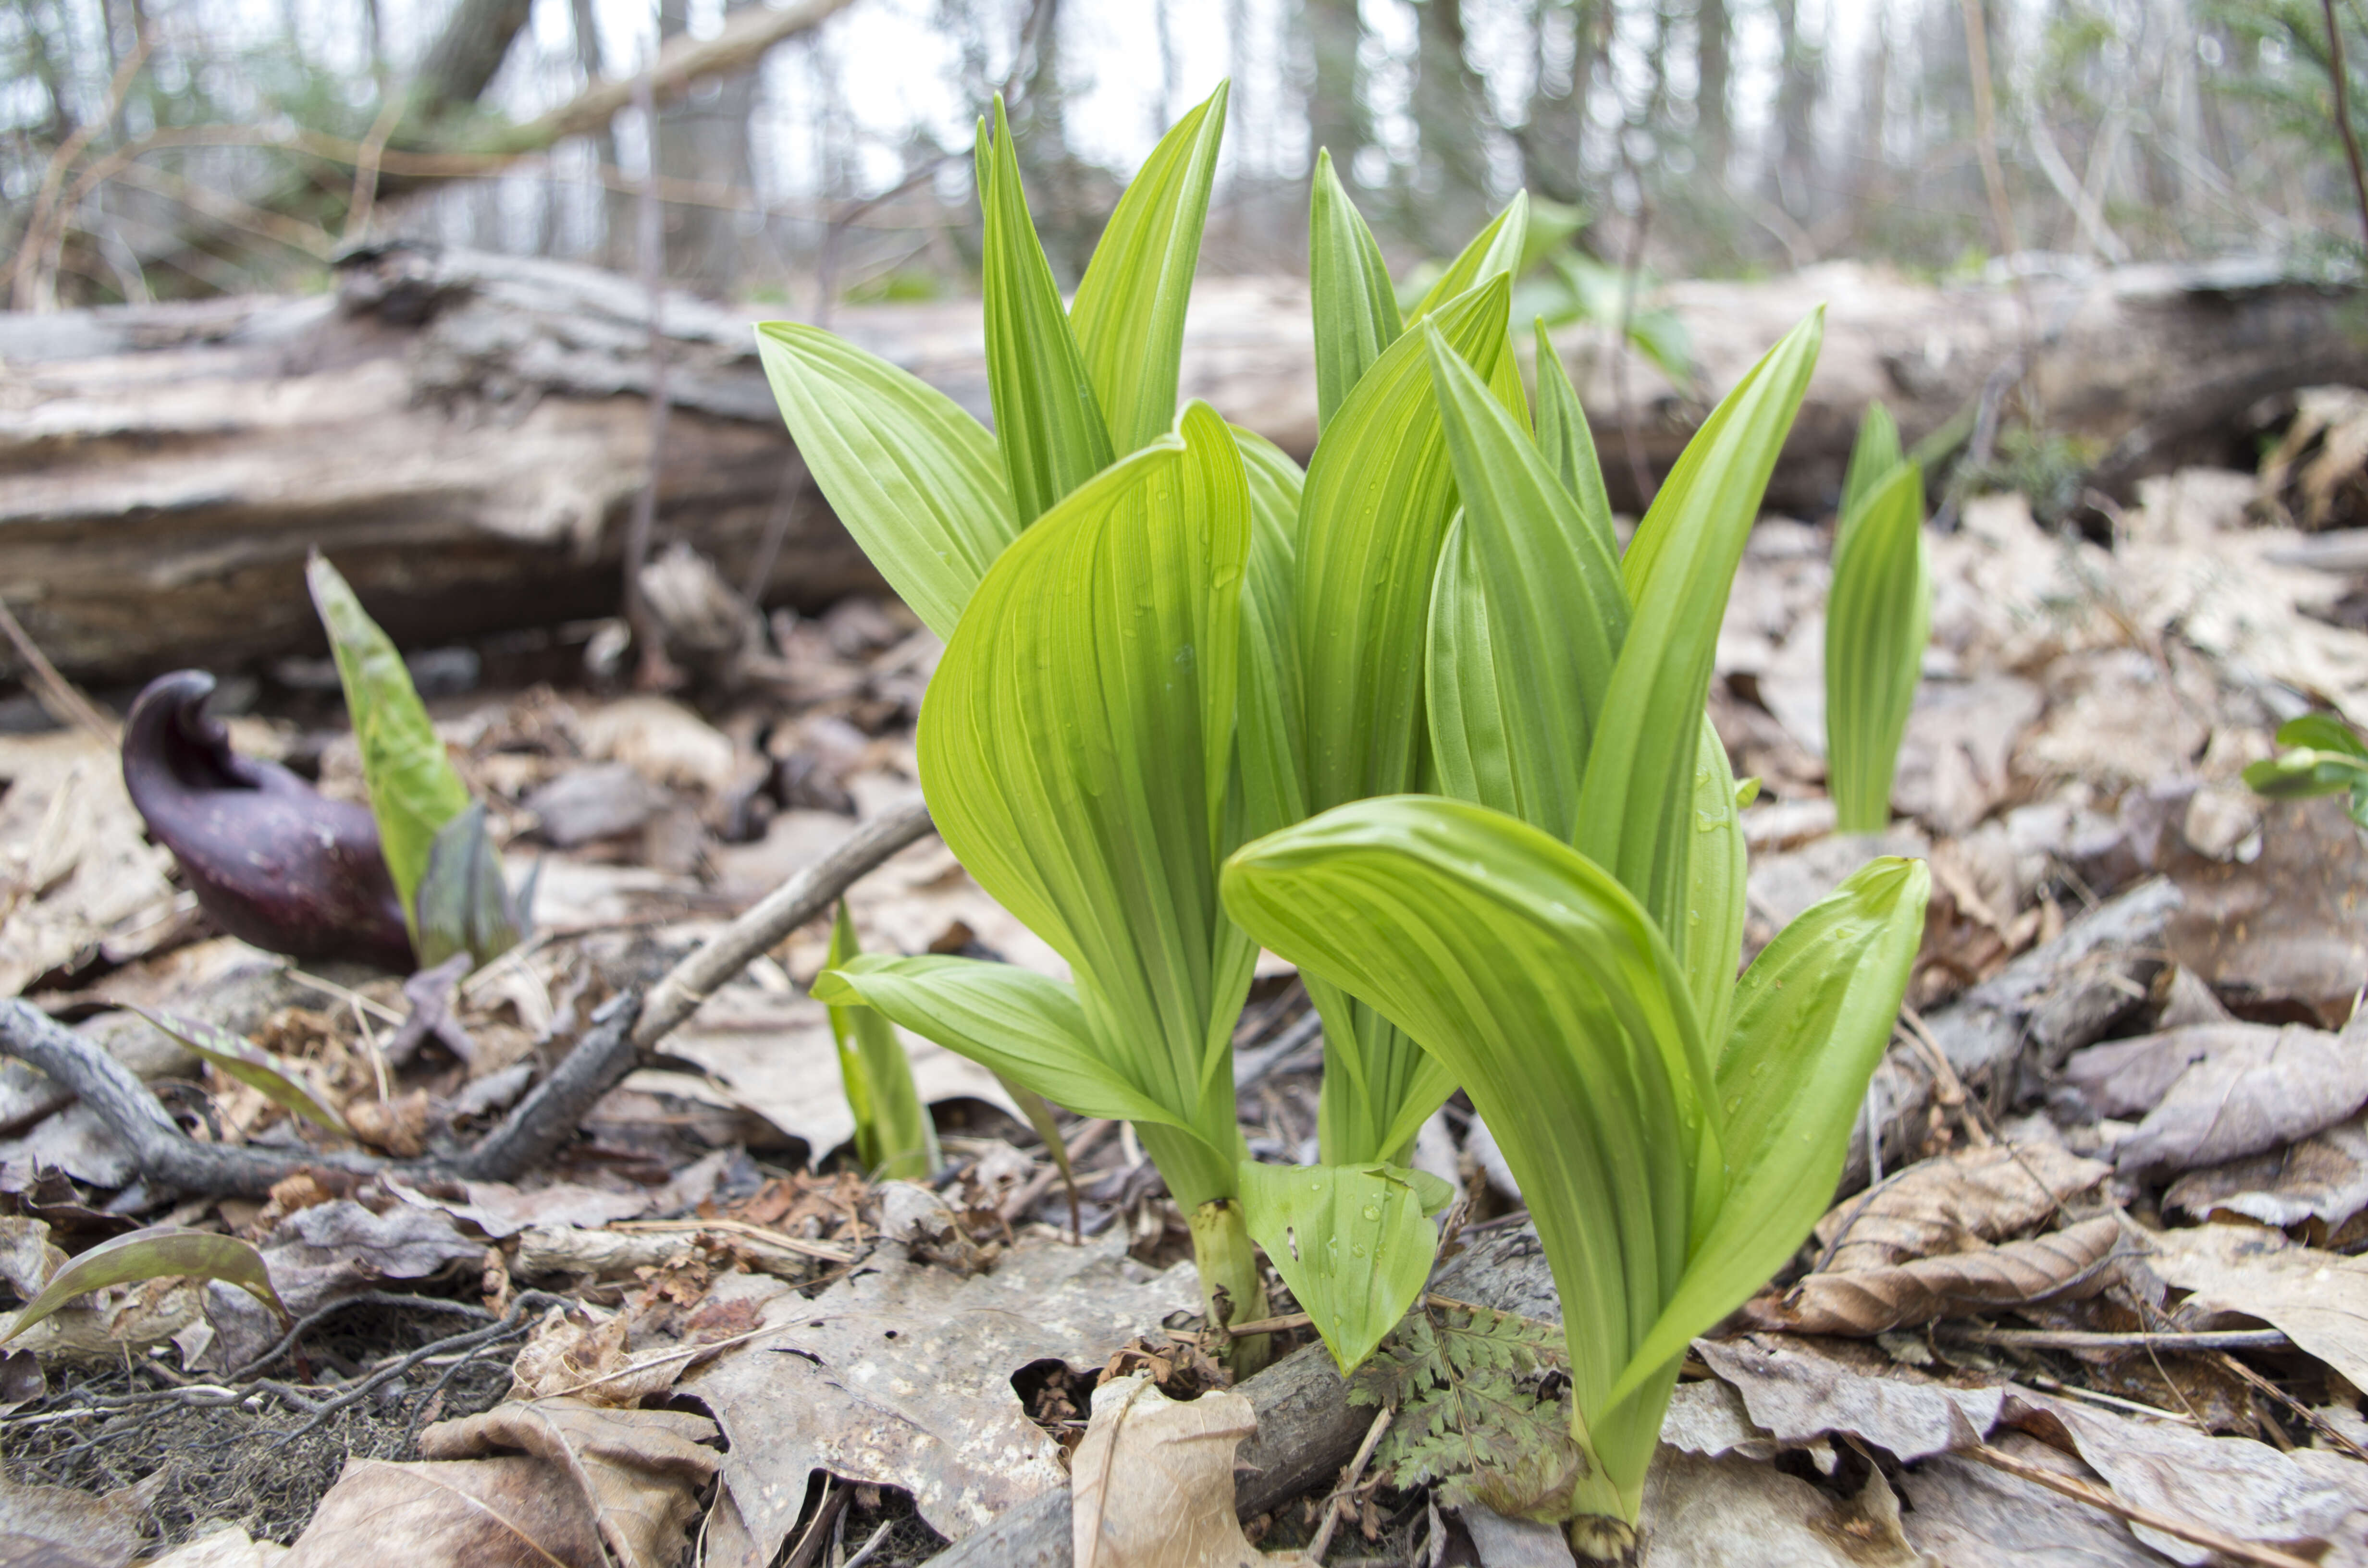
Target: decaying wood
463	432
1307	1429
2045	1004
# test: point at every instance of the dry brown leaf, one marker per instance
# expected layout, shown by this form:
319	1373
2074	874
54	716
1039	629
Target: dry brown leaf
1152	1486
2319	1300
1948	1204
2319	1182
901	1376
639	1470
100	1531
1871	1301
1954	760
1968	1515
1797	1394
580	1350
2285	926
228	1547
2217	1092
499	1512
1514	1544
1734	1512
2291	1501
1707	1417
329	1250
76	864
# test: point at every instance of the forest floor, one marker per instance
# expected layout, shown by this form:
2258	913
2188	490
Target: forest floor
2093	1289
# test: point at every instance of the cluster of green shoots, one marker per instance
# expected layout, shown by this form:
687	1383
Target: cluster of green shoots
1412	719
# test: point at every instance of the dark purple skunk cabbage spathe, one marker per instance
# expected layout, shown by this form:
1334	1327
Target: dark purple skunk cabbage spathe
271	859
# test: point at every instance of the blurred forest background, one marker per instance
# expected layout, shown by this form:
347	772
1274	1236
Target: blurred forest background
817	153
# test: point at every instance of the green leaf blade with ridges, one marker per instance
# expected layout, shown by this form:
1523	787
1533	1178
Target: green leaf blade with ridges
1129	312
1562	1012
895	1139
1568	443
1874	453
917	482
1352	1243
1494	252
1878	619
1637	799
1047	421
1812	1015
1355	307
1077	746
1527	616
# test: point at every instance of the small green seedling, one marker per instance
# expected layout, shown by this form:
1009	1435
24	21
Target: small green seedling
2323	756
1878	619
893	1135
433	837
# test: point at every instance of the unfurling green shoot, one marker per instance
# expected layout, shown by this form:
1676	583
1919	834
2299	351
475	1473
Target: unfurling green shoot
1878	618
444	867
893	1135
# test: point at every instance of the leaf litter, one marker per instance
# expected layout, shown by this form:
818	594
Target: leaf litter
2085	717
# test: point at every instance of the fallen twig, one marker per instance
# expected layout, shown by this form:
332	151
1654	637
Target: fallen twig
771	919
1340	1500
2097	1497
165	1155
2082	1339
366	1299
509	1327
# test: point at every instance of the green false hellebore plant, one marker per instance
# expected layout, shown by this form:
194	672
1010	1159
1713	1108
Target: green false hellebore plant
1566	947
1187	645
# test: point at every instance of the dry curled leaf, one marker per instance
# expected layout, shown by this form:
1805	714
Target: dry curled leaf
1152	1486
2319	1300
1795	1393
458	1513
1947	1204
640	1471
2320	1183
71	1527
1871	1300
2217	1092
1732	1513
580	1350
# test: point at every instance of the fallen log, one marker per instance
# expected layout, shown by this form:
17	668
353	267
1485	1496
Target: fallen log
463	432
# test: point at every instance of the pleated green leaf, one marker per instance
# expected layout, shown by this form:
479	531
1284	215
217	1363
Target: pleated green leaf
895	1138
1271	720
1637	799
1715	874
1047	421
2322	732
1878	618
1378	496
915	480
1077	746
1355	307
1494	252
1352	1243
2328	756
1873	455
1560	1009
1812	1015
413	790
1013	1021
1527	616
1129	312
1569	445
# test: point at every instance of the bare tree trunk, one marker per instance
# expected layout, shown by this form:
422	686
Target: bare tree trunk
1562	62
465	57
1712	110
1337	116
1800	81
1450	198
